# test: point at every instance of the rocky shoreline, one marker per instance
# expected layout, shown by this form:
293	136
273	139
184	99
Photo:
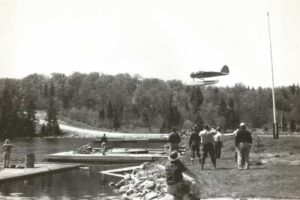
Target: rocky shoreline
147	182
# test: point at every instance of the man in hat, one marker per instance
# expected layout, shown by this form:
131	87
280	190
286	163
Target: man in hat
207	138
218	142
174	140
243	142
103	143
194	143
7	146
178	186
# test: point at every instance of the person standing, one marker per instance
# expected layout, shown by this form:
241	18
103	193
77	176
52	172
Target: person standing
174	140
194	143
218	142
7	146
243	142
207	138
103	143
235	150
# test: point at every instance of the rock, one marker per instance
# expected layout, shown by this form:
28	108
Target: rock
149	184
167	197
150	195
161	180
125	197
127	177
124	188
137	198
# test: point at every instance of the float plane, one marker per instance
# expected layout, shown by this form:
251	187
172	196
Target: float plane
208	74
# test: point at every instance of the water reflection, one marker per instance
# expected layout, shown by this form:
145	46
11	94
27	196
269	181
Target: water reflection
85	183
73	184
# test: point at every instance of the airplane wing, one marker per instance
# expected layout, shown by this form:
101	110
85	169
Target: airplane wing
202	82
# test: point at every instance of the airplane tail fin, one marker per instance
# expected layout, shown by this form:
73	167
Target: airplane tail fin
225	69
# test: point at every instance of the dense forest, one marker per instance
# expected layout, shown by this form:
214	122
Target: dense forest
125	102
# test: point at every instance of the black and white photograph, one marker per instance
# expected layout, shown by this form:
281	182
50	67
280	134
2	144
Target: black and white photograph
149	100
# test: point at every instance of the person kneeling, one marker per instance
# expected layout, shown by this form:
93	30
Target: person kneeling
178	186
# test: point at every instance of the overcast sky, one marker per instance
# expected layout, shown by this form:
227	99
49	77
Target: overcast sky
156	39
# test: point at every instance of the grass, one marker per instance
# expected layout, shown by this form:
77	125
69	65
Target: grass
264	179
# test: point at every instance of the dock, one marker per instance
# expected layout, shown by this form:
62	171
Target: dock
133	140
9	174
110	157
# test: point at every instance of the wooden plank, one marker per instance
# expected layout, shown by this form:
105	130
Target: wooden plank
119	172
8	174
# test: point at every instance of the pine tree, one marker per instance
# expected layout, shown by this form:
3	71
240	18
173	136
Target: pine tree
28	111
8	114
52	127
173	117
196	99
110	113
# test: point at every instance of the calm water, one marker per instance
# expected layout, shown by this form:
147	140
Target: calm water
72	184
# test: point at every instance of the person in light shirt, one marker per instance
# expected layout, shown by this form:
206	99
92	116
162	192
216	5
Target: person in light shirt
207	138
218	142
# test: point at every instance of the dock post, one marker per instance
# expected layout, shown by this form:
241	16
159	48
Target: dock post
29	160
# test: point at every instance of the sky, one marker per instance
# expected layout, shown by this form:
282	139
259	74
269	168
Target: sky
165	39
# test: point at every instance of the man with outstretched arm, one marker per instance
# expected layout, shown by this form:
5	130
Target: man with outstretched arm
207	137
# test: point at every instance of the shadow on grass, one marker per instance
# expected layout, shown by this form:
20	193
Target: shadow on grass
225	168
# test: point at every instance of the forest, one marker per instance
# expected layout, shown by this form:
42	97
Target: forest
126	102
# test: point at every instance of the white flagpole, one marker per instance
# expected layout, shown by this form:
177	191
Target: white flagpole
275	130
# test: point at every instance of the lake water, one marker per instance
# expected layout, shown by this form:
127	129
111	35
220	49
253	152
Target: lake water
67	185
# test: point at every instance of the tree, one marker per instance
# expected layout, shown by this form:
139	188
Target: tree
172	118
28	117
231	114
110	113
8	113
52	127
152	98
292	125
196	99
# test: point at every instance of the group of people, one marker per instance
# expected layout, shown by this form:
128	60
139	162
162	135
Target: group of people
211	141
209	138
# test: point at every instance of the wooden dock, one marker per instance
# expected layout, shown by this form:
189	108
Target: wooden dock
110	157
8	174
133	140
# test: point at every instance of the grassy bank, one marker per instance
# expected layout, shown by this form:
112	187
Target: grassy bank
274	171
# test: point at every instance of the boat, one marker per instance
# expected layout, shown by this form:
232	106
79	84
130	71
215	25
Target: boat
114	155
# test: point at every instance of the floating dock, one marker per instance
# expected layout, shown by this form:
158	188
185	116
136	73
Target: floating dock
8	174
159	139
111	157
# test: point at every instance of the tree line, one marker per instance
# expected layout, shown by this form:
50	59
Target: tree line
126	102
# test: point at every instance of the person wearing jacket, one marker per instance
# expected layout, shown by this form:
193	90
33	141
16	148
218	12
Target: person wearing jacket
178	184
194	143
174	140
243	142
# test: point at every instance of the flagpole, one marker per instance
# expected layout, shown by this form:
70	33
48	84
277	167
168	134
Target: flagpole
275	127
